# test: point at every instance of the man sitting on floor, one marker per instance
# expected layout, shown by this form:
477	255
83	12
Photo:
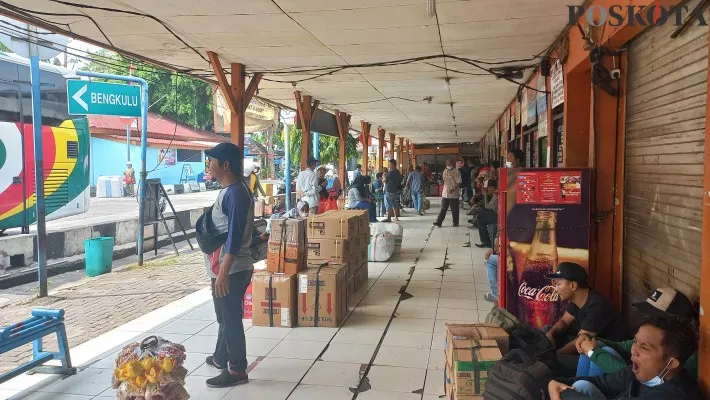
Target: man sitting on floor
601	356
588	315
661	347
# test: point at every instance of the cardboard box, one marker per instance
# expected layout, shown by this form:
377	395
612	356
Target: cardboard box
333	225
259	208
338	250
329	284
470	366
363	218
274	299
450	391
287	246
463	336
352	286
361	276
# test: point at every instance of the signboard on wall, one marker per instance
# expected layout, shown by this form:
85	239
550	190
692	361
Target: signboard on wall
557	84
524	108
517	111
532	102
167	157
506	120
542	129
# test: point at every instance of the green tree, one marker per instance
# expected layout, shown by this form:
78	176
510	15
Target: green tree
178	97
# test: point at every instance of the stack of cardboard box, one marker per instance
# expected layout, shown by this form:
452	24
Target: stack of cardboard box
341	236
322	294
471	351
274	290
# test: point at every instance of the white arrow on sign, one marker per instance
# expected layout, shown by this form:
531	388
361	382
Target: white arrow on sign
79	100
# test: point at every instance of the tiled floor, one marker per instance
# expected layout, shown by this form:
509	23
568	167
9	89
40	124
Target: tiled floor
390	348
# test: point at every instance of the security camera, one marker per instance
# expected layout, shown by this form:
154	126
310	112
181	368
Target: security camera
615	73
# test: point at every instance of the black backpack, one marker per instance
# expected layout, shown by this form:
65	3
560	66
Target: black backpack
517	377
206	233
534	343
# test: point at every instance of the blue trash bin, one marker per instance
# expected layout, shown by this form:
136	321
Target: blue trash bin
98	255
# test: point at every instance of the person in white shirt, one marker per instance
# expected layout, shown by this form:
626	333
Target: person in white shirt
307	186
450	195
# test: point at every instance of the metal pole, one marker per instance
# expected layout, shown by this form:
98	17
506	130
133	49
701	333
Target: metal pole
287	160
39	168
144	146
128	142
316	140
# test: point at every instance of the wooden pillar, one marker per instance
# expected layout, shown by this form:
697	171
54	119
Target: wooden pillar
235	93
343	121
400	154
306	112
704	348
414	154
391	146
380	145
409	156
365	137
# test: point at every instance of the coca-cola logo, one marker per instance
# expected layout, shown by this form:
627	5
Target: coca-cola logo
545	293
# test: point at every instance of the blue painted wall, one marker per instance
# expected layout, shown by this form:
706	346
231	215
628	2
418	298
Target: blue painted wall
108	158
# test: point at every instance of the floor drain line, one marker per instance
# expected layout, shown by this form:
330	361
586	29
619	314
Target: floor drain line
363	375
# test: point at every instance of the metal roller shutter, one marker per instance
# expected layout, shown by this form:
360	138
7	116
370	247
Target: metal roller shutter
665	132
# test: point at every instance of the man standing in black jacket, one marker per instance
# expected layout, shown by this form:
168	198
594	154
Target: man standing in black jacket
660	349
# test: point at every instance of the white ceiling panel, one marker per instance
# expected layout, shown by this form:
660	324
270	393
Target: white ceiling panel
300	35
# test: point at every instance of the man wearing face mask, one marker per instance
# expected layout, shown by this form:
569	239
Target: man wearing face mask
661	347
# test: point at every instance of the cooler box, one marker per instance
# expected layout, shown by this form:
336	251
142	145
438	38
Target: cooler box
109	186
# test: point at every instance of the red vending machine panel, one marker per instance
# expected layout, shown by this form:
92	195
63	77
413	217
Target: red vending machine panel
544	219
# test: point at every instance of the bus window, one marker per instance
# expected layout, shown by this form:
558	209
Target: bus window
9	103
53	95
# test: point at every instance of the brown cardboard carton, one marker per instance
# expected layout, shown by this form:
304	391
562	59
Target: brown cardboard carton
287	246
333	264
333	225
259	208
361	277
363	219
462	335
470	365
274	299
450	391
337	250
329	285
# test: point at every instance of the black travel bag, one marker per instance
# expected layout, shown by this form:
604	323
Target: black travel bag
517	377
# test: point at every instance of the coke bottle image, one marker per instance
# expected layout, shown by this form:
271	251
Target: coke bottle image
538	301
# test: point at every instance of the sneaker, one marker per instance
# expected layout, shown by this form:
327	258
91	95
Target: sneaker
437	224
482	245
212	363
228	379
489	297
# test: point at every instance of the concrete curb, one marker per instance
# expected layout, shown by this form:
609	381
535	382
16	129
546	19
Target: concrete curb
67	247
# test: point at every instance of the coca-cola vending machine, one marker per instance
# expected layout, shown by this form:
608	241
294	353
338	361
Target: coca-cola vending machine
544	219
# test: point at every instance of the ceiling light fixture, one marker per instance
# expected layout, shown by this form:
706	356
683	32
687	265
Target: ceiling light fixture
431	8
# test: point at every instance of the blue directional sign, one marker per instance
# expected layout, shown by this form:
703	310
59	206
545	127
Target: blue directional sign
101	98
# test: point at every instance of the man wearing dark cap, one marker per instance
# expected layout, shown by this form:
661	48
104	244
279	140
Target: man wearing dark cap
230	267
588	314
600	356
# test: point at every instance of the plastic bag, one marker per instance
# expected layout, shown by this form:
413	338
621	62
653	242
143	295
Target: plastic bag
381	247
395	229
327	204
151	370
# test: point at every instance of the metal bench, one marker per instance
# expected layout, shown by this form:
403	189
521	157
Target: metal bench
42	323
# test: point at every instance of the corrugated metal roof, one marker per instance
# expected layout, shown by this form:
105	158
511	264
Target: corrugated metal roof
158	127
